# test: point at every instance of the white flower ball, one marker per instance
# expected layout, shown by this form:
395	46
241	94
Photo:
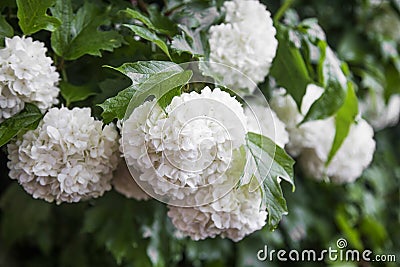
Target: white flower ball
379	114
264	121
125	184
312	141
69	157
245	42
307	134
10	104
26	75
137	132
191	147
351	159
235	215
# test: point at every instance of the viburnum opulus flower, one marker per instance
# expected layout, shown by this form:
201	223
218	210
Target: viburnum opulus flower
26	75
69	157
232	210
234	215
349	162
378	113
312	141
246	42
193	152
263	120
308	133
190	147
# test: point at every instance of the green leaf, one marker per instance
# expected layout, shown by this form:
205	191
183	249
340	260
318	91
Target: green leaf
7	3
203	251
73	93
392	82
136	233
190	41
115	107
160	85
282	10
166	98
157	22
32	15
22	216
343	120
346	225
110	87
164	86
80	34
375	230
134	14
335	84
27	119
197	15
5	29
149	36
289	69
271	164
61	38
116	229
138	72
162	24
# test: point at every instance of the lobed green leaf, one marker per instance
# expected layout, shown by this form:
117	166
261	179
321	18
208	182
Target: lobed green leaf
27	119
163	86
190	41
140	73
32	15
271	164
80	34
115	107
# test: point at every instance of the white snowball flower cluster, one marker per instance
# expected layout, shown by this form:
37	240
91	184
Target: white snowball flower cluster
379	114
264	121
349	162
69	157
312	140
195	145
308	133
189	148
235	215
26	75
246	42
